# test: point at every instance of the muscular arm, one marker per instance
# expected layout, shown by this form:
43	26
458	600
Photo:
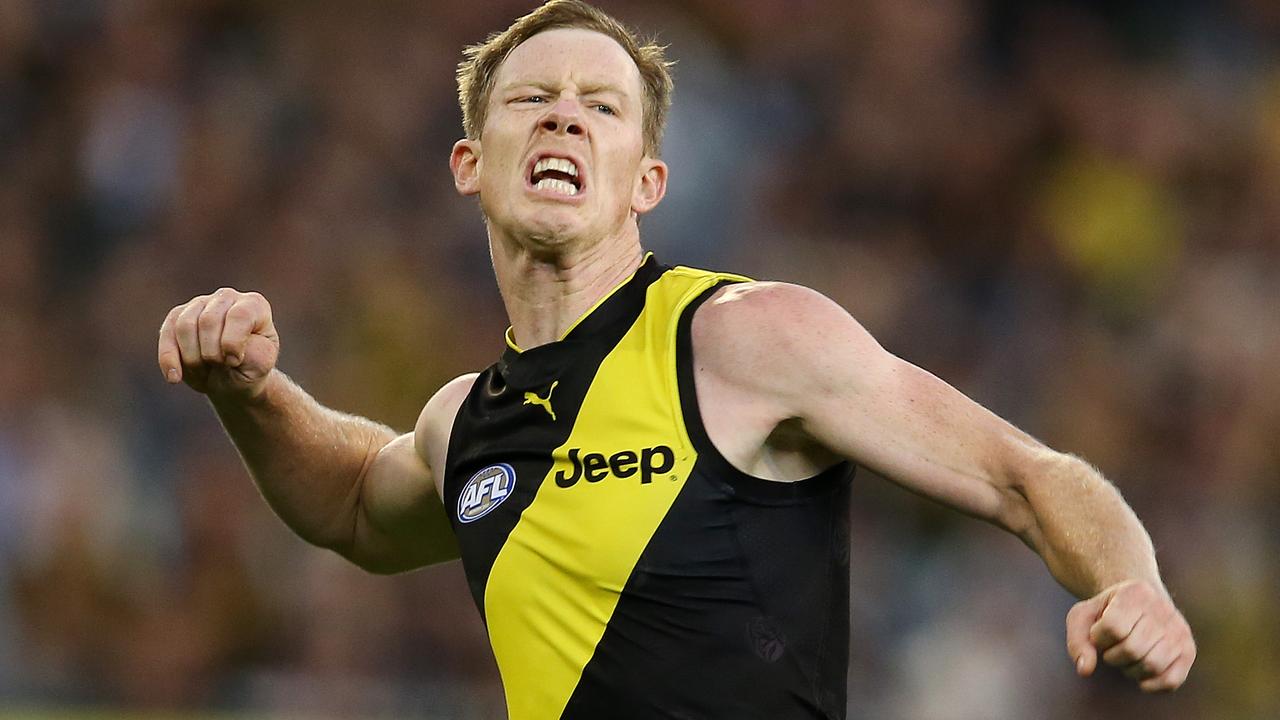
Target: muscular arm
339	481
918	431
812	364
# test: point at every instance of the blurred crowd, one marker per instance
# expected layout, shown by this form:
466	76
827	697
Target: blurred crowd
1069	210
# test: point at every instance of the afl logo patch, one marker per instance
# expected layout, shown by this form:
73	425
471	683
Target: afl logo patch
485	491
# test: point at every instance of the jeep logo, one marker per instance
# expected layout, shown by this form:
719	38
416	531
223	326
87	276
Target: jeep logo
623	464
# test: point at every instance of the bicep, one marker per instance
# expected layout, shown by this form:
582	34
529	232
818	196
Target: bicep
916	430
860	401
808	361
400	522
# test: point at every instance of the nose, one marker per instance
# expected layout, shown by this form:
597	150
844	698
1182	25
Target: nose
562	118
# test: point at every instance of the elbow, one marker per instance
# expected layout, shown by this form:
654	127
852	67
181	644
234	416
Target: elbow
375	565
1017	516
335	536
1034	479
373	550
367	558
341	544
349	547
1038	484
342	533
338	533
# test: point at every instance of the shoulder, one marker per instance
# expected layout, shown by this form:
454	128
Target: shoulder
748	328
443	406
756	306
787	346
431	433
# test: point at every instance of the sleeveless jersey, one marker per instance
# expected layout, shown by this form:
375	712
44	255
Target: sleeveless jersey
623	567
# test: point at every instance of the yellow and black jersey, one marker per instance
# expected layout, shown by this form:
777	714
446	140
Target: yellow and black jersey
623	567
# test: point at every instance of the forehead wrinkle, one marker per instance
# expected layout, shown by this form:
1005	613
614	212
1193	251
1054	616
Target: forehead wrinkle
585	85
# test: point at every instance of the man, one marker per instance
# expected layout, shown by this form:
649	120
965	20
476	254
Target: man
649	489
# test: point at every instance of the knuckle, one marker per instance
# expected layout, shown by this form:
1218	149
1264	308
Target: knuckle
1159	684
1134	593
1103	632
1139	594
193	307
209	319
240	311
1119	655
1076	611
1155	662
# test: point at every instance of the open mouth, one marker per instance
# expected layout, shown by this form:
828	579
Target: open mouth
557	175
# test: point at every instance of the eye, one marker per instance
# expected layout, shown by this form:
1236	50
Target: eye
533	99
604	109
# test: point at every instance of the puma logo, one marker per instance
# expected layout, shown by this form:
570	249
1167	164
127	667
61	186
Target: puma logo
545	403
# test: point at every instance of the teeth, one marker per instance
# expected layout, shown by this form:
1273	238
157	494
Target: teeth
559	164
557	186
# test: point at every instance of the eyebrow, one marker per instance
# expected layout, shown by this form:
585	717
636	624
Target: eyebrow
585	90
603	87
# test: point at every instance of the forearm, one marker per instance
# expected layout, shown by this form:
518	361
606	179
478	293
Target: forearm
306	459
1087	535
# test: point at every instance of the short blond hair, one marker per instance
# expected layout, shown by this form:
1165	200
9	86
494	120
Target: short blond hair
479	68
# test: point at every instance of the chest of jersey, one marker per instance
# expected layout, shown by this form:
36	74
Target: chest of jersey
605	559
553	500
563	461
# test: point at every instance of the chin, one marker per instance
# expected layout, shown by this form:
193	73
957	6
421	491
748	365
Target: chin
550	229
552	241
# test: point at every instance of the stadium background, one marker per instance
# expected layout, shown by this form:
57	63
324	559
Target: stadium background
1069	210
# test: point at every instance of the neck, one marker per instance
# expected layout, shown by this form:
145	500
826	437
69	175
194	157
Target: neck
546	292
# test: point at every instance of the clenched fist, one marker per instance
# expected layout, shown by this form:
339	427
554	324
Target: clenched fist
220	344
1135	627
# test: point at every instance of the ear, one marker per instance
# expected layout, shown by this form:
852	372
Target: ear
464	163
651	187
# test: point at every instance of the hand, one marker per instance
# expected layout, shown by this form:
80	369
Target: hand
1135	627
220	344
